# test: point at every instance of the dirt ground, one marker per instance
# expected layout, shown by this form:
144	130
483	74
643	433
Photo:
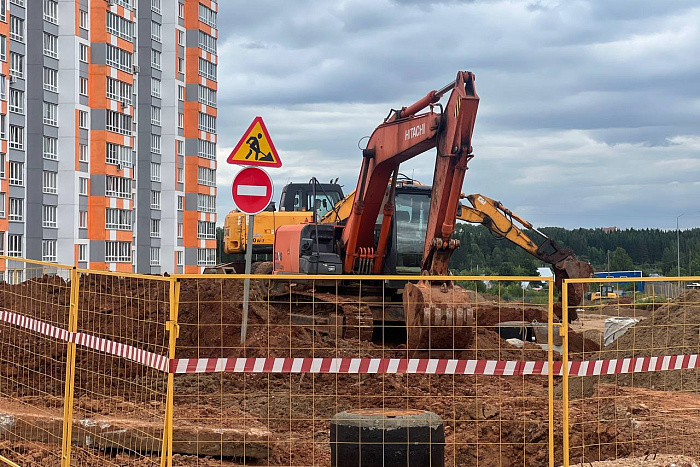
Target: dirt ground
488	420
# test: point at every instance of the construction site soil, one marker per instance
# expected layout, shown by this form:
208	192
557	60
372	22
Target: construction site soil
488	420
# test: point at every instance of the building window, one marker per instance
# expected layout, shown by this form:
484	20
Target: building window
180	145
155	228
155	172
83	186
3	11
181	10
207	42
155	59
181	120
155	144
3	87
206	203
180	229
16	28
155	256
50	79
180	65
207	16
16	65
50	145
82	252
155	115
119	219
16	137
119	91
206	149
180	93
51	11
49	217
16	101
206	230
180	203
48	251
180	37
120	59
119	123
50	182
156	31
83	53
119	155
206	257
16	173
16	209
84	20
83	119
207	122
3	159
155	87
50	45
50	114
118	252
207	96
14	245
83	219
120	26
3	126
3	48
155	6
83	153
180	258
3	203
118	187
155	199
83	86
207	69
206	176
180	175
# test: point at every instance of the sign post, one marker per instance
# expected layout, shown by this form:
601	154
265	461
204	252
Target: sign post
252	192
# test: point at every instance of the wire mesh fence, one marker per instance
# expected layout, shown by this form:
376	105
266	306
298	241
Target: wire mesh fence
116	369
642	399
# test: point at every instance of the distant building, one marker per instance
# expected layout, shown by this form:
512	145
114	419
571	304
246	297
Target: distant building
610	229
81	182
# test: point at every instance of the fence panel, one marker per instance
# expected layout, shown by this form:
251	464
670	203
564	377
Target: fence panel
33	310
312	353
638	394
121	369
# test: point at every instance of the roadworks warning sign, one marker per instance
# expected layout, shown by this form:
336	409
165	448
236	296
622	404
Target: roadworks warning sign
255	147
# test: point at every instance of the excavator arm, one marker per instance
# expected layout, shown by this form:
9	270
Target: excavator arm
503	223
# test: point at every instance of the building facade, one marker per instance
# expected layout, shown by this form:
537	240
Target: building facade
108	133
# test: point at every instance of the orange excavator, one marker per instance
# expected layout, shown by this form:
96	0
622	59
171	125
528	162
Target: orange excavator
384	232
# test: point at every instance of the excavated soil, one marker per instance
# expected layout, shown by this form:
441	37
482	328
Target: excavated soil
489	420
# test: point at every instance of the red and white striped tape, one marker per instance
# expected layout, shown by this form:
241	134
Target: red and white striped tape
129	352
430	366
420	366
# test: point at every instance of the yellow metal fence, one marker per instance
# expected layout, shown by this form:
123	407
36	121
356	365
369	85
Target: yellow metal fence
120	369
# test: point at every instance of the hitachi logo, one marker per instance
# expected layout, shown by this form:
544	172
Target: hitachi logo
415	131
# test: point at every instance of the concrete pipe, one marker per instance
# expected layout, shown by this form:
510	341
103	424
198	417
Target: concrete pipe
387	438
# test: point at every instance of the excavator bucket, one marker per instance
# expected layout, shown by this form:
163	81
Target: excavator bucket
439	319
569	269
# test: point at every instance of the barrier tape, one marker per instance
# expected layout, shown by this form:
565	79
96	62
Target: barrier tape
420	366
129	352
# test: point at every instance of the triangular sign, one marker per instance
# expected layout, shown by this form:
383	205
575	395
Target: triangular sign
255	147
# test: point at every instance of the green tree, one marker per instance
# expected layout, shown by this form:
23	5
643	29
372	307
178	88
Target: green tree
620	260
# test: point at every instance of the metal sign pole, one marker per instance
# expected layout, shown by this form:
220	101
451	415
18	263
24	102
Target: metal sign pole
246	284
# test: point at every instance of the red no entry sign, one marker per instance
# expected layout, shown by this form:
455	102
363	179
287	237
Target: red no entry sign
252	190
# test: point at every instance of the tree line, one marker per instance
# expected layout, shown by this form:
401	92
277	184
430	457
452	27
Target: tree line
652	251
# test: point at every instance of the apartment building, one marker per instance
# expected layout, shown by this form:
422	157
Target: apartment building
108	133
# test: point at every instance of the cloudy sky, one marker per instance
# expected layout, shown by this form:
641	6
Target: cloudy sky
589	112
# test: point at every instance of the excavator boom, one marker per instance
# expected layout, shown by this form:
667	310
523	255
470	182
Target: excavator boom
504	223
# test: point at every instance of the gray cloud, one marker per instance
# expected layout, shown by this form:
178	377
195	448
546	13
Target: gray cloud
597	97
